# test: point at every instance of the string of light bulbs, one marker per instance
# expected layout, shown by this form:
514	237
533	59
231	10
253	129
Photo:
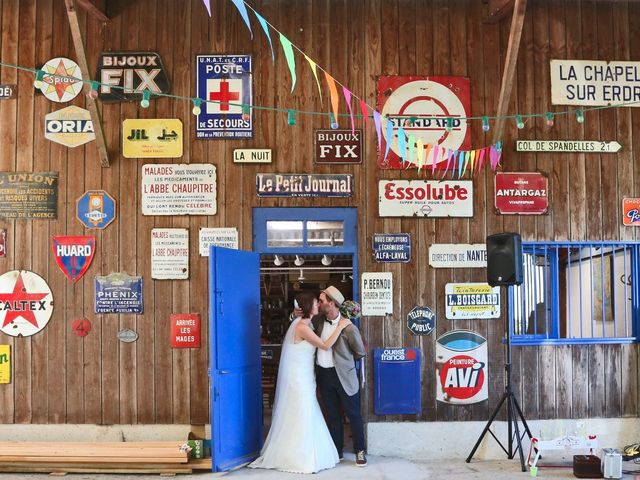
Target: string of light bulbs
519	118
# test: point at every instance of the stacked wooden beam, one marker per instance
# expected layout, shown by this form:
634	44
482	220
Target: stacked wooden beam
95	457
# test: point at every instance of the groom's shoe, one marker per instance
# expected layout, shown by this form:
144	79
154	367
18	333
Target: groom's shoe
341	456
361	459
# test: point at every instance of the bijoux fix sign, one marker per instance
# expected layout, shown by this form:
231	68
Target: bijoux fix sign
425	198
123	76
338	146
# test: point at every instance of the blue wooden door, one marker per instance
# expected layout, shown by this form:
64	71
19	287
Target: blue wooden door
236	391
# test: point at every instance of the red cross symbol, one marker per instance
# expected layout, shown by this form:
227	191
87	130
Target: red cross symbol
224	96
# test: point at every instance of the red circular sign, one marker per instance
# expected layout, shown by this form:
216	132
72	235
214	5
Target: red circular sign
462	377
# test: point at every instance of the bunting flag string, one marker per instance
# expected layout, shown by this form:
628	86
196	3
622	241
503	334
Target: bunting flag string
265	29
242	8
287	48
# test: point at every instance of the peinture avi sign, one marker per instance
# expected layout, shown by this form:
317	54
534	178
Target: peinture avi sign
303	185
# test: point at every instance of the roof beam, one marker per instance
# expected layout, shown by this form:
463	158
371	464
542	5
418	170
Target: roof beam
499	9
92	10
92	106
508	74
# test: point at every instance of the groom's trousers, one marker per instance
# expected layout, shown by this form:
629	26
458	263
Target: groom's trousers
333	395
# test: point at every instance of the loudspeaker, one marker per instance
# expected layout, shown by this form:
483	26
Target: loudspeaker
504	259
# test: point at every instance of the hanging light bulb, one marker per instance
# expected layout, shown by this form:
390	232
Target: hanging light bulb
485	124
519	122
38	81
549	117
196	107
326	260
579	116
246	113
449	126
93	93
146	95
291	118
278	261
301	277
334	122
412	121
299	261
344	278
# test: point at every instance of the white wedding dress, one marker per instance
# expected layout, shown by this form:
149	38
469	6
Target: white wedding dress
299	440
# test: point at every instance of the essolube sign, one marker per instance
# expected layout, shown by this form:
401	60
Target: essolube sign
406	198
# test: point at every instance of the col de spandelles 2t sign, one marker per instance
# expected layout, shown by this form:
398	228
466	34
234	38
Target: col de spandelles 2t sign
303	185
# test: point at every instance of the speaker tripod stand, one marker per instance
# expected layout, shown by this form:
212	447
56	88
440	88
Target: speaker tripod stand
514	414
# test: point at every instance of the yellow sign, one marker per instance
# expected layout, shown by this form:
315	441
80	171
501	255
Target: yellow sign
5	363
152	138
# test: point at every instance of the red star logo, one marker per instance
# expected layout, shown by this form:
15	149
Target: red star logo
60	85
20	293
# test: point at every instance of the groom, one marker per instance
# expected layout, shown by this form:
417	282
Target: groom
336	373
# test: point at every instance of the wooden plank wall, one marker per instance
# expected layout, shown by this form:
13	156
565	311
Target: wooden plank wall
61	378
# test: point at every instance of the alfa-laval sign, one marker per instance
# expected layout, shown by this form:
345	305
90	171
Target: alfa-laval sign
425	198
125	75
522	193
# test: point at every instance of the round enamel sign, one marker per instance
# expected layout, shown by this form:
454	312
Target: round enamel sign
58	83
26	303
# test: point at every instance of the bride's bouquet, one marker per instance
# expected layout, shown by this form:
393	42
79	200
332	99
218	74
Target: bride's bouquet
350	309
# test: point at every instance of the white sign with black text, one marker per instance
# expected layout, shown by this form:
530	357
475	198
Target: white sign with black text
220	237
169	253
458	255
377	293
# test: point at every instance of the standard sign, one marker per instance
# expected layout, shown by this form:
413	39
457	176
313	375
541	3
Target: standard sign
425	198
29	195
392	247
377	293
457	255
303	185
124	76
252	155
119	293
523	193
567	146
594	82
170	253
471	300
71	126
184	189
220	237
152	138
338	146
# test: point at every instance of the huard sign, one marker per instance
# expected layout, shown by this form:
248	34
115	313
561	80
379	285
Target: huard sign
26	303
73	254
123	76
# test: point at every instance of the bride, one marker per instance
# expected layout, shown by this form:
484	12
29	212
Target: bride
299	440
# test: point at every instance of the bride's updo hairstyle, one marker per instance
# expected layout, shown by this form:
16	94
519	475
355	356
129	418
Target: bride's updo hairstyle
305	301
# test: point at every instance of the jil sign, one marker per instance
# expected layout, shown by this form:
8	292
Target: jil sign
185	330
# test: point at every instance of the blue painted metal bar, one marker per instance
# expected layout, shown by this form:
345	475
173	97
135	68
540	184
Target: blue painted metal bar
568	295
614	290
603	303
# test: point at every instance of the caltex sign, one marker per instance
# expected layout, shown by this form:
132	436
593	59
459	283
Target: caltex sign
26	303
224	81
73	254
422	107
71	126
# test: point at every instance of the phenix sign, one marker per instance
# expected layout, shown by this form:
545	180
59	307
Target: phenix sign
303	185
406	198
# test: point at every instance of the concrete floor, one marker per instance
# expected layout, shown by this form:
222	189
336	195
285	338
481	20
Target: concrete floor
379	468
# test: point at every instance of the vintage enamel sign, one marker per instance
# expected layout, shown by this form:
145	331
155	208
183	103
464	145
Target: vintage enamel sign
71	126
458	255
8	91
377	293
152	138
421	106
73	254
62	80
126	335
170	253
522	193
3	242
29	195
119	293
338	146
594	82
631	212
471	300
304	185
421	321
224	81
179	189
5	364
392	247
461	367
96	209
425	198
567	146
124	76
26	303
81	327
220	237
252	155
185	330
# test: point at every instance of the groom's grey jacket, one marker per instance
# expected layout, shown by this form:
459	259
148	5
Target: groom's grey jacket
347	349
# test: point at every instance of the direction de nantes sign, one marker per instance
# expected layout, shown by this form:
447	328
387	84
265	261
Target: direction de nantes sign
425	198
567	146
458	255
152	138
